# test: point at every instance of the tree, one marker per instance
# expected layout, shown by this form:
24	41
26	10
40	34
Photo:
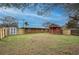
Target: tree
9	21
26	24
73	22
45	9
40	8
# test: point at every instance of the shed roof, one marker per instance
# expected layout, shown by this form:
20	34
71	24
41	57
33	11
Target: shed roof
54	25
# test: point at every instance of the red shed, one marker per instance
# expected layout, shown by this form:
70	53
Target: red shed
55	29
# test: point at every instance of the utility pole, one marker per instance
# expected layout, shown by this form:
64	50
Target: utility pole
23	23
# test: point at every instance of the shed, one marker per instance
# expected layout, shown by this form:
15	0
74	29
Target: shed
55	29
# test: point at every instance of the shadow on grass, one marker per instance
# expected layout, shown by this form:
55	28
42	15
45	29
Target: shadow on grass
4	39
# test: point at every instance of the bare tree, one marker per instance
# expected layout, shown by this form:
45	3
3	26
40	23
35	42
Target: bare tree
45	9
9	21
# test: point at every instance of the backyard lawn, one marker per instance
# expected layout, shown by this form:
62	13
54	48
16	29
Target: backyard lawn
39	44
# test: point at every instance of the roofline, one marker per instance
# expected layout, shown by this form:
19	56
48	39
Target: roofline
35	28
54	26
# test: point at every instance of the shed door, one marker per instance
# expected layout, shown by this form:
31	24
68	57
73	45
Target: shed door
57	30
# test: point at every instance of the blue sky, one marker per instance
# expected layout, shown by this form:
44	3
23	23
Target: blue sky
57	16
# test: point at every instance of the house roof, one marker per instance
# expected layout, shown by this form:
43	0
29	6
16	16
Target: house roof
35	28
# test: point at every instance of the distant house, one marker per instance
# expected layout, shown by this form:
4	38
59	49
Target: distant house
55	29
32	30
36	30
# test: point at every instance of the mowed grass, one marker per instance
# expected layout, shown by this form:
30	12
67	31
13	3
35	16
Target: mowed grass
39	44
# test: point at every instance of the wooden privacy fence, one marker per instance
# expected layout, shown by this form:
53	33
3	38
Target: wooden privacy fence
5	31
75	32
21	31
66	31
71	31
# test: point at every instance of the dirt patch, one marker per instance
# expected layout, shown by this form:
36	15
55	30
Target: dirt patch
69	50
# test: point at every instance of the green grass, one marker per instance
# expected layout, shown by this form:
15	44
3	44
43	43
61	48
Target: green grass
40	43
